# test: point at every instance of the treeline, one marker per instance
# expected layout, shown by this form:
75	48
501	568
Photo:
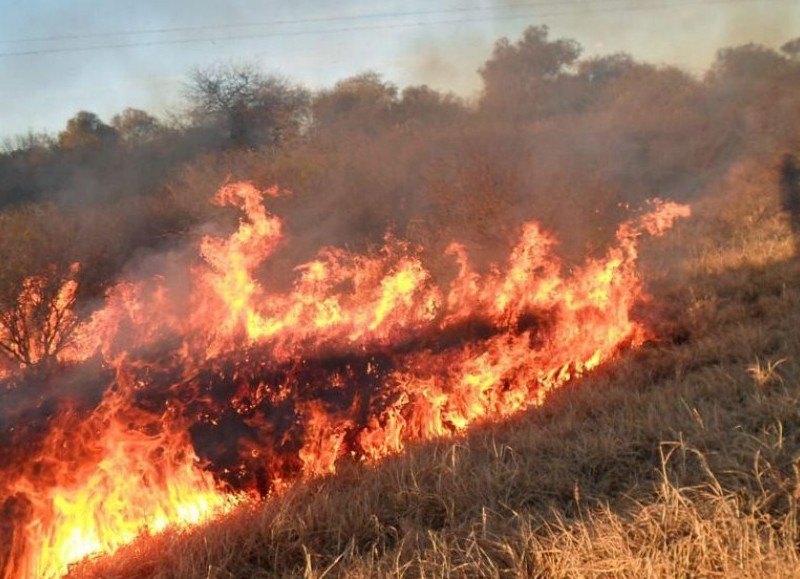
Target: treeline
566	140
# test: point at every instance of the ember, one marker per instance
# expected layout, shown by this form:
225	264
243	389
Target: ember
187	409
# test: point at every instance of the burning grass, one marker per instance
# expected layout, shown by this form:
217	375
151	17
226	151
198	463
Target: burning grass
678	459
201	399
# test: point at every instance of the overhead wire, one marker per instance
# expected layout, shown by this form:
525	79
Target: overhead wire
605	8
287	21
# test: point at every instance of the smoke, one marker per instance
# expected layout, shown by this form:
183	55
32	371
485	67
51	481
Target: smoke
412	252
75	67
451	67
775	24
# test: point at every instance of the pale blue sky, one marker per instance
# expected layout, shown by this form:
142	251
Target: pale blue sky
61	56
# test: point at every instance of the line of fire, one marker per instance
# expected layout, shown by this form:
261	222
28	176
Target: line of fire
173	402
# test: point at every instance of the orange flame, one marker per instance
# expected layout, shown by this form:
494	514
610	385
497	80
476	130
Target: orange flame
431	362
101	484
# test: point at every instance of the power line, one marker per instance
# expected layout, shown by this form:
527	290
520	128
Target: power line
283	22
281	34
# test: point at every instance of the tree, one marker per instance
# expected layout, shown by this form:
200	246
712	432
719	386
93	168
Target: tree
363	103
38	284
424	106
603	69
254	108
792	49
594	81
750	62
522	80
135	125
23	159
41	321
86	131
27	142
756	87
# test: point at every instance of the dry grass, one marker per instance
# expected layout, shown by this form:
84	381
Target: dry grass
679	460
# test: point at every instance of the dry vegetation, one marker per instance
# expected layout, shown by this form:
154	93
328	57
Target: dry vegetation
681	459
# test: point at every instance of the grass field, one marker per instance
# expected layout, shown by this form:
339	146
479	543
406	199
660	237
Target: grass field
680	459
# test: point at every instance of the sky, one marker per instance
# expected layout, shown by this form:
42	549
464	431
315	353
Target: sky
58	57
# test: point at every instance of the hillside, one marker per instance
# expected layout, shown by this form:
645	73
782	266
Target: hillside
677	459
381	330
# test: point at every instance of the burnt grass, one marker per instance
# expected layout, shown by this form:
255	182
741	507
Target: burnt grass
238	402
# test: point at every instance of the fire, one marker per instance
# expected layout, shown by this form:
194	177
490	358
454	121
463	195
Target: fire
234	390
103	479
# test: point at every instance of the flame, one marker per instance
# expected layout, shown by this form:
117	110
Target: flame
100	484
362	356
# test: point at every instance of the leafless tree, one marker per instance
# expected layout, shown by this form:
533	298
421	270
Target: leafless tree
255	108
